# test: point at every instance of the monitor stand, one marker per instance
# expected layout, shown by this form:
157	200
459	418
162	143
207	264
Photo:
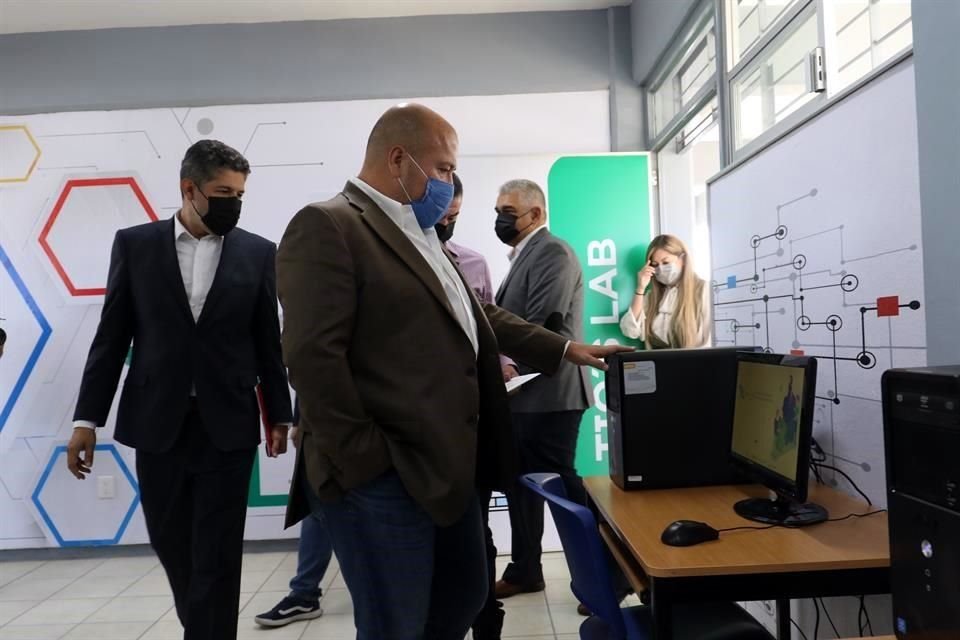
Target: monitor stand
781	512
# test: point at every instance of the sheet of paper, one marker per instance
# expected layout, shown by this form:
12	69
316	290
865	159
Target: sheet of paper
519	381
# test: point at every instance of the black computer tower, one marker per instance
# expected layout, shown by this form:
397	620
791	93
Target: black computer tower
670	417
921	419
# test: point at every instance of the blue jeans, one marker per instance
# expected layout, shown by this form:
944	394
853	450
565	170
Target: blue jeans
409	579
313	558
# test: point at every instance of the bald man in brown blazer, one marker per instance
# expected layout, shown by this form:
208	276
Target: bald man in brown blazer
395	362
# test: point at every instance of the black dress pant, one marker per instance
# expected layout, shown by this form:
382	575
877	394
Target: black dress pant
547	444
194	500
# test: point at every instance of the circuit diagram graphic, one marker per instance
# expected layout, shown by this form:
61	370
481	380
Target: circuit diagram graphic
803	294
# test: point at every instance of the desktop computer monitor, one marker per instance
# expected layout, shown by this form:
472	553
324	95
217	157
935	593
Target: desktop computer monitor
772	429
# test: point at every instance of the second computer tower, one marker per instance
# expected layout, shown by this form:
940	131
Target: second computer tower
921	417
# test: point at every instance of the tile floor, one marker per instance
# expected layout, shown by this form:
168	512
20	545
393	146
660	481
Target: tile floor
128	598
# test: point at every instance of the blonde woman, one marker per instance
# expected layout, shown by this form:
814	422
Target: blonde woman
675	311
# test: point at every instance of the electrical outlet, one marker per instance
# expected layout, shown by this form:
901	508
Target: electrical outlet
106	488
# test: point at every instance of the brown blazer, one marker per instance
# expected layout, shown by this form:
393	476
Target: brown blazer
385	376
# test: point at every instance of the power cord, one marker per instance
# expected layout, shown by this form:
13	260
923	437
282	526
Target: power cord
816	626
863	617
829	619
787	526
802	634
818	458
857	515
849	479
860	625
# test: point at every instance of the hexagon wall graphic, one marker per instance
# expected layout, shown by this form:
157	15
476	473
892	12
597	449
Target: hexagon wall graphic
24	346
19	153
69	509
78	235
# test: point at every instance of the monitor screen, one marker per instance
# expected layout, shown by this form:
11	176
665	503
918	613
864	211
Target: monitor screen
767	416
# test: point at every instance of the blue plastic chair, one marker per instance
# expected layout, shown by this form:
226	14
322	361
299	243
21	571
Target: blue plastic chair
591	583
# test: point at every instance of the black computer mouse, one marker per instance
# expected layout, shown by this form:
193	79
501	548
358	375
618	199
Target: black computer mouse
686	533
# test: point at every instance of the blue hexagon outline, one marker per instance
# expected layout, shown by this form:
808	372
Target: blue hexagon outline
87	543
45	331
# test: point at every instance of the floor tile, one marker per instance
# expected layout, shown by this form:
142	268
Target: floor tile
60	611
108	631
46	632
292	631
106	587
337	602
555	567
12	610
330	627
279	580
565	617
66	569
558	591
527	621
117	567
289	563
263	561
253	581
150	585
164	630
133	609
28	588
337	582
10	571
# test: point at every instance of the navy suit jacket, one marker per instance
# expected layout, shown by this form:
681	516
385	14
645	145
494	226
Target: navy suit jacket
233	346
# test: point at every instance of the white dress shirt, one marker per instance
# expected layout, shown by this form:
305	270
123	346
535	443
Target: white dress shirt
636	327
428	244
198	259
515	252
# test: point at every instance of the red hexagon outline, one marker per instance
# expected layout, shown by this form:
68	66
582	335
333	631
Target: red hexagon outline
86	182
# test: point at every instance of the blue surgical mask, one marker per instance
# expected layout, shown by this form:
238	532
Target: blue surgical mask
431	208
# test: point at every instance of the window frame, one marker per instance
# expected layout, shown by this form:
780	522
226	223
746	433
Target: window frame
731	41
689	42
732	156
806	11
829	27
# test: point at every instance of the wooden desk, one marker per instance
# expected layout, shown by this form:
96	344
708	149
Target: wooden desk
851	557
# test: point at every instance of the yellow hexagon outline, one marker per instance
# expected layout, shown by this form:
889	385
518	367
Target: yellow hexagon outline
36	158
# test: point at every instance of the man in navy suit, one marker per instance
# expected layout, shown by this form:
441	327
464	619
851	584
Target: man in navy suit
197	297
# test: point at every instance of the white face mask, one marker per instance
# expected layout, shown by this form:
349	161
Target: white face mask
668	274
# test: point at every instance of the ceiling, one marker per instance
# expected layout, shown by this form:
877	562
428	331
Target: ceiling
24	16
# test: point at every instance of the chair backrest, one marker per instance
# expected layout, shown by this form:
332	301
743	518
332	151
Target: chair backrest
584	551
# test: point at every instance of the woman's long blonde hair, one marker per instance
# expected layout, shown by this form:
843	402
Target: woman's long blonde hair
689	315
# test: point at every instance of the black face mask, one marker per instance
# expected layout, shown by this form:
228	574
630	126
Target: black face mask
444	232
506	227
222	215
